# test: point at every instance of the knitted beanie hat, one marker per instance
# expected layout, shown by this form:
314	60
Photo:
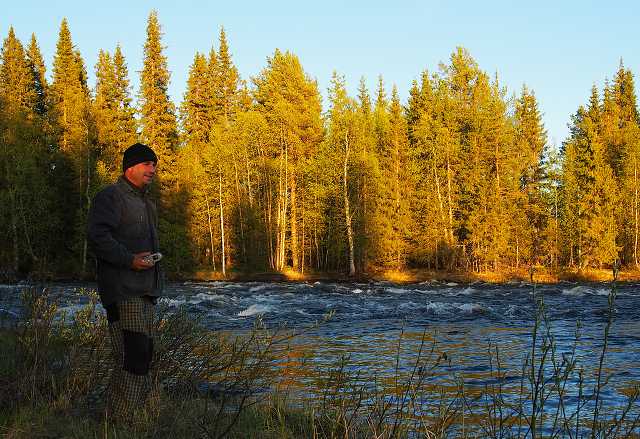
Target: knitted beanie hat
137	153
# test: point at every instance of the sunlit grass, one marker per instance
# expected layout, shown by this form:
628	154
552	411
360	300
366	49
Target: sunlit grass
293	275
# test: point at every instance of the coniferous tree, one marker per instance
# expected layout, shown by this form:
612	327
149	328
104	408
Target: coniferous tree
38	71
71	111
369	178
626	144
434	139
532	213
128	133
159	131
197	120
227	83
398	174
30	209
157	112
114	115
18	97
589	192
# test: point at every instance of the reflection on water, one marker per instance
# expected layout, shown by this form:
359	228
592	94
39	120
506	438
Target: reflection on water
480	333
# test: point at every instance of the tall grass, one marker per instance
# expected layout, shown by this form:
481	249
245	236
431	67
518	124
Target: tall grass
54	370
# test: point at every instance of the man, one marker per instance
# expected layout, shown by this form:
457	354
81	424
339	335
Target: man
122	233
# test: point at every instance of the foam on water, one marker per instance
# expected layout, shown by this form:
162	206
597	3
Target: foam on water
409	306
471	308
175	303
438	307
578	291
468	291
452	308
254	309
397	290
204	297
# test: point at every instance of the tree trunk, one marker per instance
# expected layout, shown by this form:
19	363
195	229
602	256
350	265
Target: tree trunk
86	211
302	241
213	253
436	178
294	223
555	232
14	231
223	262
283	205
398	216
239	204
26	231
635	211
249	190
279	215
347	213
449	178
285	210
269	215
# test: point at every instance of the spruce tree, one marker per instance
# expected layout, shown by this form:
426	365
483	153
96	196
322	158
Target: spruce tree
71	112
127	123
38	71
16	80
157	112
159	131
196	114
29	202
366	222
627	146
227	81
589	191
115	122
531	215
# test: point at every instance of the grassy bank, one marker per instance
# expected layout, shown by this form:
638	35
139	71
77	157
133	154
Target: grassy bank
542	275
54	371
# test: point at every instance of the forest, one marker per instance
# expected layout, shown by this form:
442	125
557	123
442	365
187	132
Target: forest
259	174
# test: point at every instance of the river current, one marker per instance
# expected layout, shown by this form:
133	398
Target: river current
367	321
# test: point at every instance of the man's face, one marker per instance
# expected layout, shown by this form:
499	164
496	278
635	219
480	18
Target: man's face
141	174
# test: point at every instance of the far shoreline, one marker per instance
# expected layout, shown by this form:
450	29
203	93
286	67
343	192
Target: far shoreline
541	275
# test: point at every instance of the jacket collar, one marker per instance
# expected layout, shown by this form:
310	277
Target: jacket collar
126	184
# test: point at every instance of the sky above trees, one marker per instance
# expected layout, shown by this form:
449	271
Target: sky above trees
558	49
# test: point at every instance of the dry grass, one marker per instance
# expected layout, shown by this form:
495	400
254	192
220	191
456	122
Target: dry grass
543	275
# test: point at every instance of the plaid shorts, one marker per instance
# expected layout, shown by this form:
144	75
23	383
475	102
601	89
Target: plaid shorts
131	331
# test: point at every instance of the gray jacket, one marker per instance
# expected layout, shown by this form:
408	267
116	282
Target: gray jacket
123	221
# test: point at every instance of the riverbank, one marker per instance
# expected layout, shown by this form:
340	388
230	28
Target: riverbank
540	275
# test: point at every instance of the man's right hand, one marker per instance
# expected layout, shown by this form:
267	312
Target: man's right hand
139	263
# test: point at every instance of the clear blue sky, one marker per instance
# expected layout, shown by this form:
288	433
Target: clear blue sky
557	48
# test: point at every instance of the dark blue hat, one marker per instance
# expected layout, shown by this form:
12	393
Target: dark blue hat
137	153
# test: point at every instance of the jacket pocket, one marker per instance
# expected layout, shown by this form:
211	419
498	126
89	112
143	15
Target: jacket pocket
137	283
